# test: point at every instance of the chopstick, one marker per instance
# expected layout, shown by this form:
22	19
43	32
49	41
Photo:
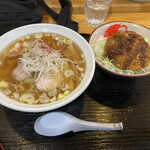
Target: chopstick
1	146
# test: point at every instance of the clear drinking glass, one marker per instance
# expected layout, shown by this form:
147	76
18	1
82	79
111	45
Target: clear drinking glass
96	11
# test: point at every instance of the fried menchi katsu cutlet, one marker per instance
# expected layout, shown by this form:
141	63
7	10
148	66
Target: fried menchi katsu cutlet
128	50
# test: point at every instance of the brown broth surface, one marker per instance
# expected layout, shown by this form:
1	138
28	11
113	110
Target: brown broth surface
10	62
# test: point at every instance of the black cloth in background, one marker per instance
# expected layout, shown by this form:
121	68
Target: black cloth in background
15	13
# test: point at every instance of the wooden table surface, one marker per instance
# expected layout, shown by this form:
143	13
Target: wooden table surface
107	99
121	10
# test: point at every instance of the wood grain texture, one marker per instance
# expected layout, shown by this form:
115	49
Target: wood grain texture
117	6
107	99
121	10
139	18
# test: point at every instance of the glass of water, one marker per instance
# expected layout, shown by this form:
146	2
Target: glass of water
96	11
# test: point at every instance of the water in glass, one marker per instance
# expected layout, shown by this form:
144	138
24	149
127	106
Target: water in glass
96	11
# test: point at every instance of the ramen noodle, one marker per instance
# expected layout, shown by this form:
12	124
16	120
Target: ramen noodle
41	68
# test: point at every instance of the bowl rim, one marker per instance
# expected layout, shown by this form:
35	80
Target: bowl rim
113	72
80	89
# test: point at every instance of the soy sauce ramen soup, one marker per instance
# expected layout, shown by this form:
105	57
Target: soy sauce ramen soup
41	68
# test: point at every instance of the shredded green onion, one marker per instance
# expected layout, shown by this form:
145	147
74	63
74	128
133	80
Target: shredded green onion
104	61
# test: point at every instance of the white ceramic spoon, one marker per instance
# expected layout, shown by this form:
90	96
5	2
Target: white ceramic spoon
58	123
